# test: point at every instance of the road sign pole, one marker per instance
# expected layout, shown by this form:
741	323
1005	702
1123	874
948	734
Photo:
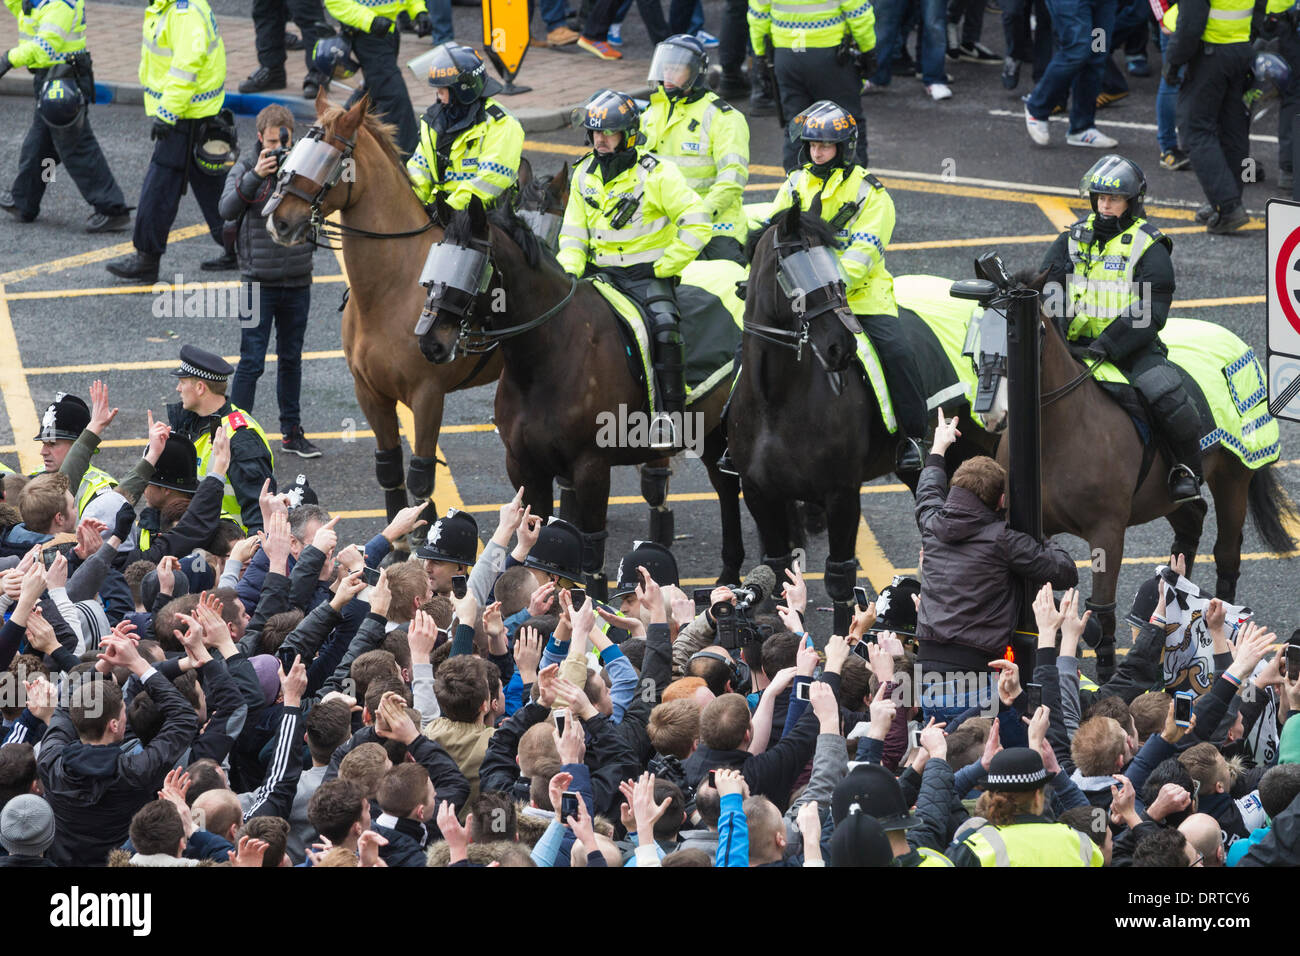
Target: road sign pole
1024	478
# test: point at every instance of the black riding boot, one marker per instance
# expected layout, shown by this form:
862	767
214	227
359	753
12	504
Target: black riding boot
669	363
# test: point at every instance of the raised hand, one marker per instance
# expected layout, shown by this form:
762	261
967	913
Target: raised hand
404	522
796	589
368	845
1008	680
101	416
294	684
510	518
421	635
167	568
528	653
219	463
1072	625
40	632
326	538
457	836
40	696
277	545
542	599
89	537
158	435
1046	616
245	548
651	597
249	852
945	433
57	575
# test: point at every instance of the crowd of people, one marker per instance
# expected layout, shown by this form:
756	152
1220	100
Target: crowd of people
181	691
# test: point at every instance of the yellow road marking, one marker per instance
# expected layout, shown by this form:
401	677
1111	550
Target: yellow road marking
160	288
875	566
1211	303
1058	213
96	255
13	387
159	363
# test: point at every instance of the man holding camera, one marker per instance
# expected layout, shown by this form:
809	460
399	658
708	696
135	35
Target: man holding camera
53	48
277	280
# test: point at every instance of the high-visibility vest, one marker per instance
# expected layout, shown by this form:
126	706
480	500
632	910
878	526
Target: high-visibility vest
360	14
668	228
182	61
53	31
860	242
1033	844
1229	20
235	419
811	24
709	142
483	161
932	857
1101	286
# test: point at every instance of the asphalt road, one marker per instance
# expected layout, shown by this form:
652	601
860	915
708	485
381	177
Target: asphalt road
964	169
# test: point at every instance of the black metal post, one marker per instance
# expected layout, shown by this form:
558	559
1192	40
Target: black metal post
1024	478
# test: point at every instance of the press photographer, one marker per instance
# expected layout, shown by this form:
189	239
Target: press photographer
277	280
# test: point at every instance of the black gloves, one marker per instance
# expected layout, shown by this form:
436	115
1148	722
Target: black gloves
124	521
1171	74
380	26
867	64
160	129
1096	351
422	23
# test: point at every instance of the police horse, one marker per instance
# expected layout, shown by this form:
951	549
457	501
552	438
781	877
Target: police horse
348	163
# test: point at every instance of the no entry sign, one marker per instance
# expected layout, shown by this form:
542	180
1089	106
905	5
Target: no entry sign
1283	219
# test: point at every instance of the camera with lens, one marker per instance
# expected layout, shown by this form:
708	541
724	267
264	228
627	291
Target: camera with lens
281	151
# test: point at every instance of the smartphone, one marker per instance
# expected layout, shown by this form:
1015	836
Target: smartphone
913	735
459	585
560	717
578	596
703	597
1292	660
860	648
713	779
568	804
802	689
371	575
1183	701
1035	692
860	595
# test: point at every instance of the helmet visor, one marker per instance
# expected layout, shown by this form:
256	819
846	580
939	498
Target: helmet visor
312	159
423	63
461	268
545	225
807	270
677	68
1110	176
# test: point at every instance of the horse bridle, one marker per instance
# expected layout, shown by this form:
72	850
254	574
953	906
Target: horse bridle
320	227
835	302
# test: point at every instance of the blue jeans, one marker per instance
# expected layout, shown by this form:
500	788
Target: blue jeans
440	14
945	702
1075	67
553	13
1166	107
285	308
889	38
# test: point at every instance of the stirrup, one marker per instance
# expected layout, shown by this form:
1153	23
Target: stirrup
1180	474
725	465
908	456
663	432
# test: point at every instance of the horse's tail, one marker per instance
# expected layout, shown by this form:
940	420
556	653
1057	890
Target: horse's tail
1271	510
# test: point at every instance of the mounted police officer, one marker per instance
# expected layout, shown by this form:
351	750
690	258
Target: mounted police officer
813	56
372	31
634	220
469	144
52	45
201	382
830	183
64	420
1118	280
692	127
183	69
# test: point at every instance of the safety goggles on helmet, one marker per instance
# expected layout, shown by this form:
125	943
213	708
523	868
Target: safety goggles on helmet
466	270
1113	176
676	65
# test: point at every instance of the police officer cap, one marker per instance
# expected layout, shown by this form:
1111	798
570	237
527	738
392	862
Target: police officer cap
178	466
301	493
895	610
1016	770
652	556
860	840
558	550
873	790
453	538
65	418
197	363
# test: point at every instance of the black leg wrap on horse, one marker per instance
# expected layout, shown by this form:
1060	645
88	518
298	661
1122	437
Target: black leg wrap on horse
779	566
654	485
1225	588
662	526
669	347
840	578
388	468
1105	615
1175	414
568	500
593	564
419	477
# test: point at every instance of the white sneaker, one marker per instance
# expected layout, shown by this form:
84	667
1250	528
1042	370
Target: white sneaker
938	91
1091	137
1038	129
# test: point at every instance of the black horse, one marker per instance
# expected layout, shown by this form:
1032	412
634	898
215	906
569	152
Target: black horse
803	424
566	373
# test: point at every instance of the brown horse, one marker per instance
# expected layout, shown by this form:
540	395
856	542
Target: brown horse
385	235
565	379
1091	462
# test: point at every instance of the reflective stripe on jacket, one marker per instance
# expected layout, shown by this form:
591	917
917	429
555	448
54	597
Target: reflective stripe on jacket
483	162
53	31
182	61
805	24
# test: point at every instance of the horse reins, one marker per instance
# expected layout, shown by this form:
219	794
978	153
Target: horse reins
485	340
1068	387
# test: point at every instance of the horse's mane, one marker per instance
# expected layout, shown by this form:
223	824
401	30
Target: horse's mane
460	230
384	133
505	217
810	225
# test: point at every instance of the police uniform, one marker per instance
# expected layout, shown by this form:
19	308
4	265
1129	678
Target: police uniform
1118	279
861	214
269	18
634	219
52	45
178	470
183	71
471	145
811	55
705	138
1213	39
373	31
251	459
64	420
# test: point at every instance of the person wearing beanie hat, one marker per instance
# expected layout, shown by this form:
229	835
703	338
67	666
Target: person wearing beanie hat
267	669
1014	831
26	831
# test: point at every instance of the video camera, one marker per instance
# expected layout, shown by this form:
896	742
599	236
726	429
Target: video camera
732	622
281	151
